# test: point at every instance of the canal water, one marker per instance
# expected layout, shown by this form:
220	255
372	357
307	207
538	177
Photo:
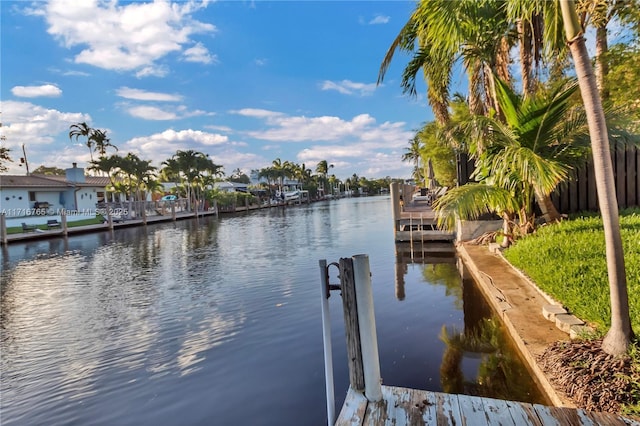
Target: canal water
217	321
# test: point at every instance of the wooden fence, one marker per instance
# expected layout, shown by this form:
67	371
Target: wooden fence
580	193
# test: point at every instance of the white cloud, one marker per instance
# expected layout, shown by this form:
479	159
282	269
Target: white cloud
184	137
260	61
24	122
48	90
132	36
37	127
257	113
152	71
199	53
358	144
348	87
225	129
143	95
149	112
299	128
160	146
379	19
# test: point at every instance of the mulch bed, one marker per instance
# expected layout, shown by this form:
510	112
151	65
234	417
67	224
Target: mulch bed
592	379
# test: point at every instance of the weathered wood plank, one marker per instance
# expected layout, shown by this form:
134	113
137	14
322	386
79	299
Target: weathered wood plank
546	416
585	419
472	411
621	192
447	410
638	175
567	416
352	328
411	407
498	412
564	198
606	419
632	171
353	410
573	192
583	190
593	192
406	406
523	413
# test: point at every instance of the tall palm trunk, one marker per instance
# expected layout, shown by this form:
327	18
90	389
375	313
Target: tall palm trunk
526	59
602	66
619	336
547	208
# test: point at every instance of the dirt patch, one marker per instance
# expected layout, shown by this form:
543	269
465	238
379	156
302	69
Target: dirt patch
592	379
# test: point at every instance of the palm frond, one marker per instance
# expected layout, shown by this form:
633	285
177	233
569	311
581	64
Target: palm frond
468	202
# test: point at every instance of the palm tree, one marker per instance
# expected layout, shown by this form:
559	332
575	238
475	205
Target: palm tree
192	169
282	170
82	129
412	154
106	165
101	142
529	153
268	174
619	336
441	31
323	169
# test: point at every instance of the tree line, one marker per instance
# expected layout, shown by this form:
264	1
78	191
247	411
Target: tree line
527	136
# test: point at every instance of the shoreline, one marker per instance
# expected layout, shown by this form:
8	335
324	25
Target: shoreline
518	303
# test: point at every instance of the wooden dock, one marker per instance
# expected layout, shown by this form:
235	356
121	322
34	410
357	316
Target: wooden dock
414	220
369	403
403	406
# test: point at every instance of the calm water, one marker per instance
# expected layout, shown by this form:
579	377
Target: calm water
217	321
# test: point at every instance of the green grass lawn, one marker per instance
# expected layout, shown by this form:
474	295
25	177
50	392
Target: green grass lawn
98	219
567	260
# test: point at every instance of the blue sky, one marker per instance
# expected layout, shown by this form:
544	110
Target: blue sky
245	82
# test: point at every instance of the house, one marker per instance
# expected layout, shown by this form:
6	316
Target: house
36	195
227	186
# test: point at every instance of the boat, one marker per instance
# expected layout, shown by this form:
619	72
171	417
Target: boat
288	196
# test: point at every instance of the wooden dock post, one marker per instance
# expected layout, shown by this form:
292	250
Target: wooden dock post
367	320
173	211
109	218
394	189
352	328
144	211
3	228
360	327
326	338
63	220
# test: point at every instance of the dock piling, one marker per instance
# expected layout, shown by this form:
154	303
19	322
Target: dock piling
326	339
367	321
63	220
3	228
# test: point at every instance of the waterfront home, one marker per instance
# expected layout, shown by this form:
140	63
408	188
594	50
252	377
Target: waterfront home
227	186
31	195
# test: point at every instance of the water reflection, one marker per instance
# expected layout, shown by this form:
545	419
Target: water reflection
194	321
418	253
477	357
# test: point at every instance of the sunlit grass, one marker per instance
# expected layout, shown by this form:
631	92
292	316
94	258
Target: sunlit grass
71	224
568	261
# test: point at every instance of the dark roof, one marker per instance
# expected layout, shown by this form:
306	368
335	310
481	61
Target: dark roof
49	181
22	181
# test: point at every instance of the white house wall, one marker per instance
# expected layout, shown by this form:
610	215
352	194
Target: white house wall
87	198
14	202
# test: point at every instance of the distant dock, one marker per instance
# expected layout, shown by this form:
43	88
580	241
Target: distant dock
413	219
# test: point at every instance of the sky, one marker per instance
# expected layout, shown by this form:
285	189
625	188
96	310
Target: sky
246	82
